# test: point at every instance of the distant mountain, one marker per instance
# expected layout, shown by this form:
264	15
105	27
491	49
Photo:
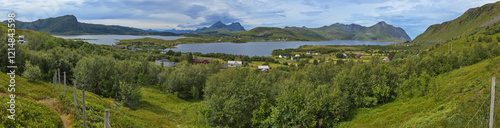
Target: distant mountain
172	31
378	32
221	27
475	20
69	25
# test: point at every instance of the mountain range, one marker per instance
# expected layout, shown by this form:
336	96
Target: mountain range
221	27
69	25
378	32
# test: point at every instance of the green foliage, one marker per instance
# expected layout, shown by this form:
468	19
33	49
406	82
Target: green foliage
28	113
32	72
189	82
110	78
233	95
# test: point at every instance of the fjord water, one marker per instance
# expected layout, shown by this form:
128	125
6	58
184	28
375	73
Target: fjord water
250	48
112	39
262	48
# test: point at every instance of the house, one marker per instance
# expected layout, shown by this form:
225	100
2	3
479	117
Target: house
234	64
202	61
359	56
297	55
308	52
291	58
282	56
264	68
315	53
165	62
21	39
386	59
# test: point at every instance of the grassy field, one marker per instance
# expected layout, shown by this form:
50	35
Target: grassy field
455	98
41	104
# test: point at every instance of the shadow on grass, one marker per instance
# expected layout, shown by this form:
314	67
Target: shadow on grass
145	105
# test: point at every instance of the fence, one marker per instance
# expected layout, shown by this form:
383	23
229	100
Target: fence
77	100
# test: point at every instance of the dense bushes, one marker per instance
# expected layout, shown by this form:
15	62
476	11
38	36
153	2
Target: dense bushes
110	78
189	82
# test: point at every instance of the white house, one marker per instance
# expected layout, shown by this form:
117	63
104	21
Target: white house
308	52
234	63
282	56
297	55
263	68
165	62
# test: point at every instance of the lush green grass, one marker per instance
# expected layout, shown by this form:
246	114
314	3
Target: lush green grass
29	113
468	23
452	102
155	110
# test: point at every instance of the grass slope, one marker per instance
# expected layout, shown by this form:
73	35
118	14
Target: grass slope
39	104
455	98
468	23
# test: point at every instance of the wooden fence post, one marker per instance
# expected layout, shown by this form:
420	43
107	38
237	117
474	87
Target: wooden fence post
54	79
106	118
74	95
84	115
492	104
59	77
64	82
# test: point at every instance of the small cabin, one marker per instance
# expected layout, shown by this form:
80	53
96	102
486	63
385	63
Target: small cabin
165	62
264	68
234	63
386	59
202	61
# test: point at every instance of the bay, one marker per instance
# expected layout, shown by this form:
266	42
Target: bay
113	39
262	48
249	48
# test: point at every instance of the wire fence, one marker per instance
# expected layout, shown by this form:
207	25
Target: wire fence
93	117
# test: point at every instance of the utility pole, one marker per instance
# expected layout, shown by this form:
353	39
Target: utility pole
492	104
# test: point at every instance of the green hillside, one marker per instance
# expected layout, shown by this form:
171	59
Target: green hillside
69	25
41	104
472	21
378	32
455	99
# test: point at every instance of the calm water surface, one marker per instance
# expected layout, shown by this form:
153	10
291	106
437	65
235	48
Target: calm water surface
250	48
262	48
113	39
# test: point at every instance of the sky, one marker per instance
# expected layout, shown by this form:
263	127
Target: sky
414	16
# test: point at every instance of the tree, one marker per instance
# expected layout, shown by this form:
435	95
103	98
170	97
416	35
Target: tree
32	72
233	95
97	74
189	58
189	82
130	94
